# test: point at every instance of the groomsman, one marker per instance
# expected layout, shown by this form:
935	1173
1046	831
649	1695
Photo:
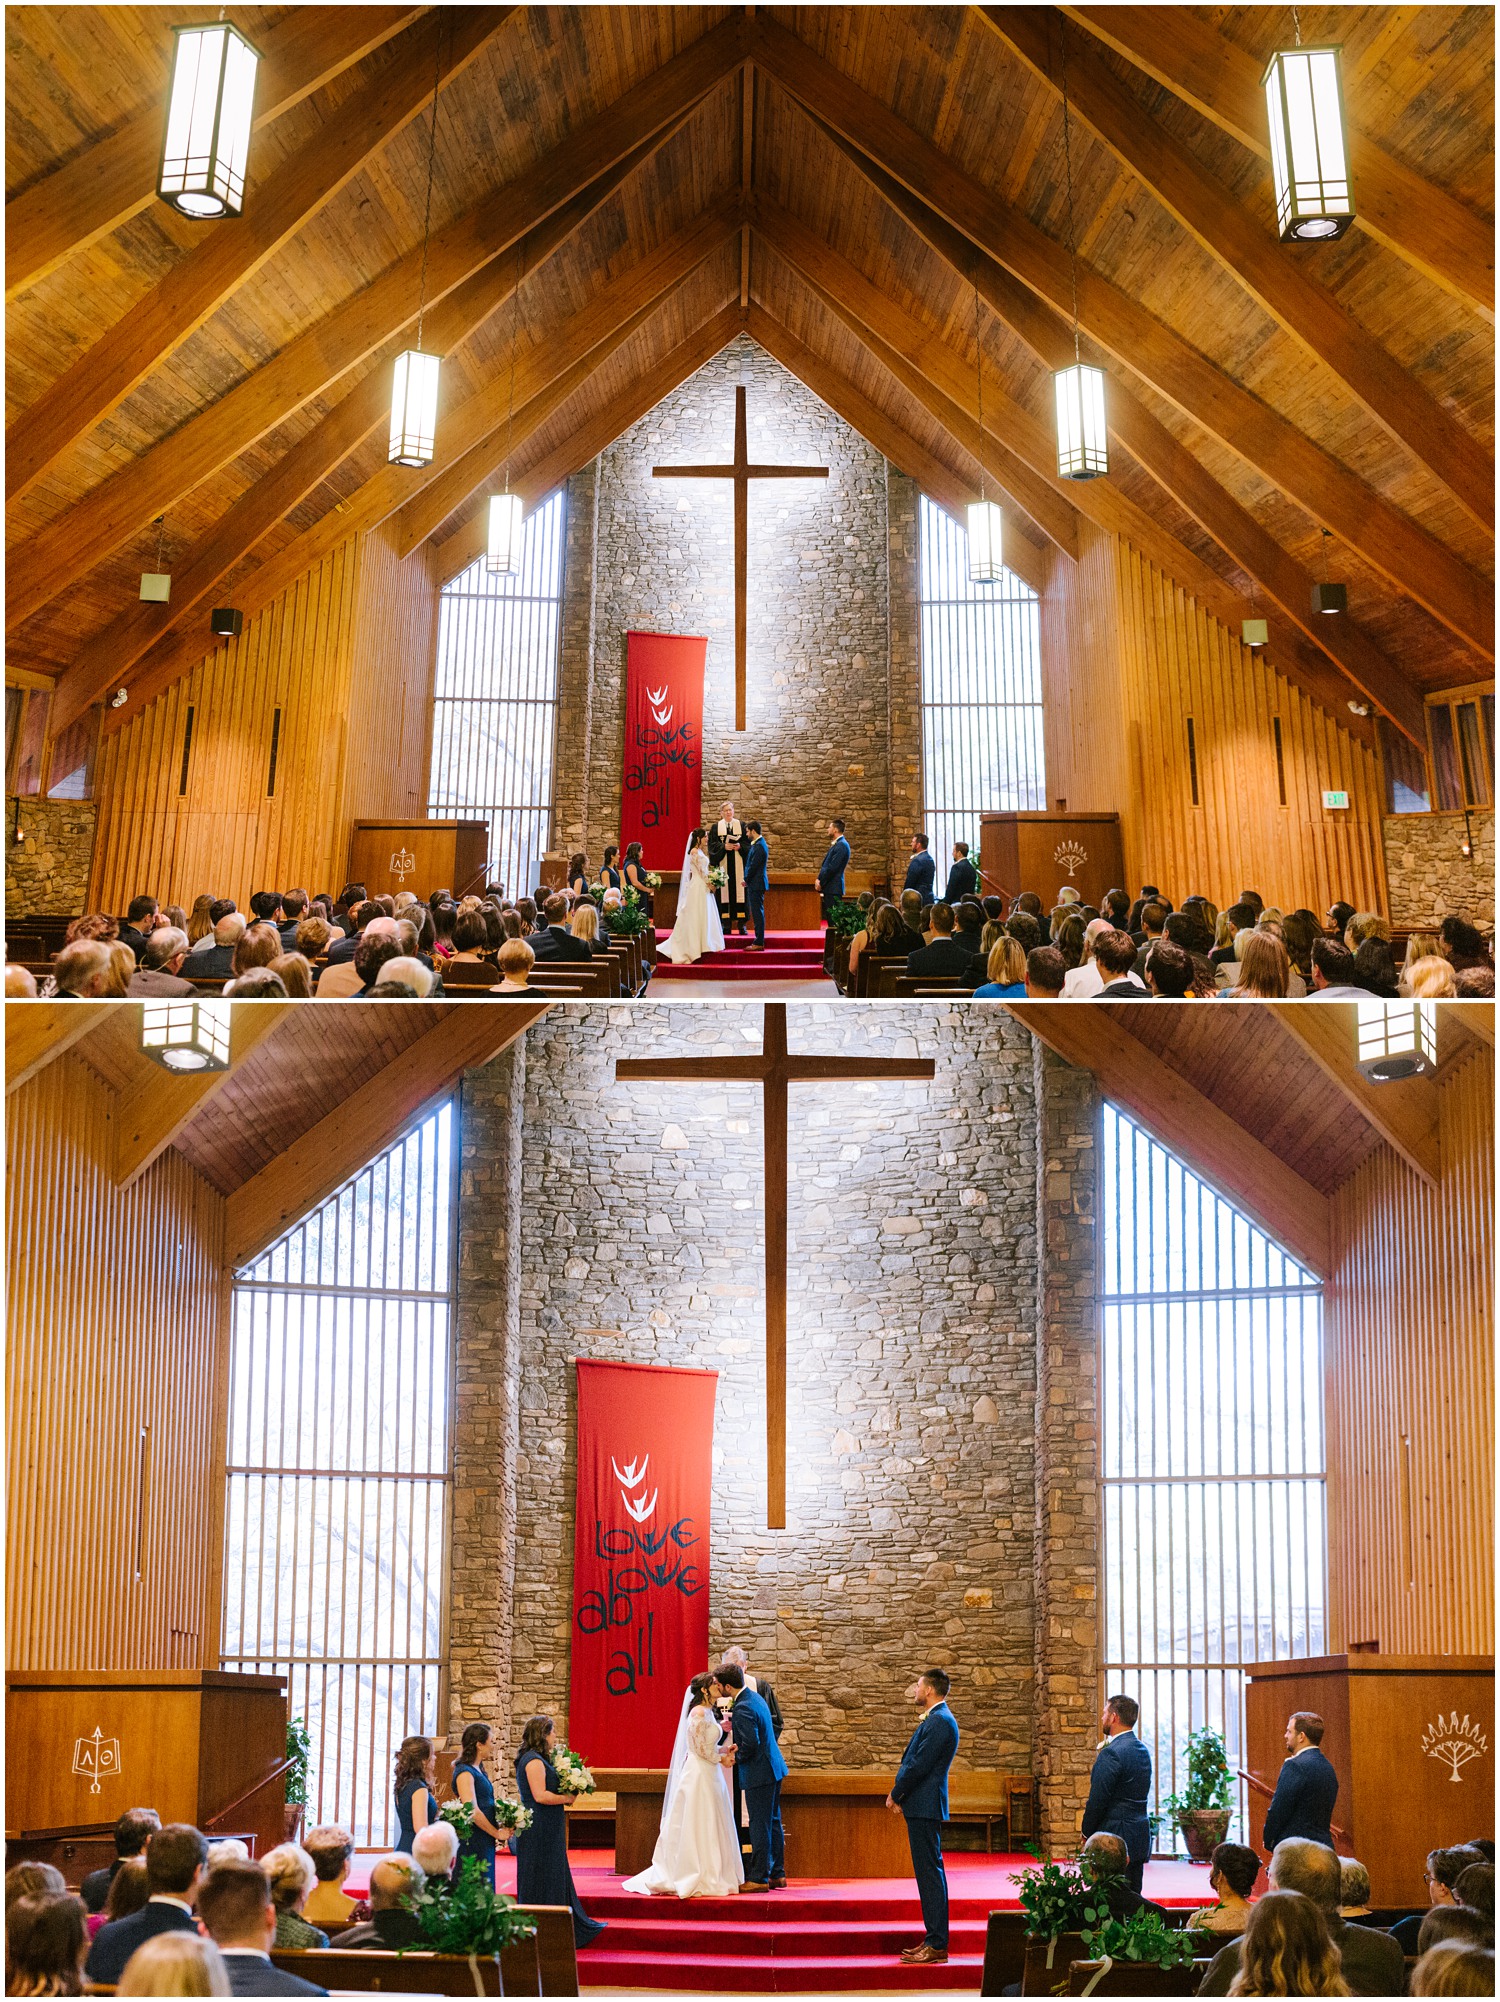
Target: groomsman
831	869
921	870
920	1794
1120	1787
963	877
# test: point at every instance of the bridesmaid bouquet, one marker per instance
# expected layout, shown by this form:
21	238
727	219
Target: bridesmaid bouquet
459	1814
573	1776
511	1816
653	879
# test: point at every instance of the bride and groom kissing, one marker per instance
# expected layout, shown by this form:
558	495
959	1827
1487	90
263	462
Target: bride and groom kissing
698	1852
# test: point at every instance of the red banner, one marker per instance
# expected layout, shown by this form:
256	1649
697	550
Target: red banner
640	1557
662	795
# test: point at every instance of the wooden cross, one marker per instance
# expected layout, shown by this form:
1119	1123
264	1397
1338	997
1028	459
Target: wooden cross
741	472
773	1070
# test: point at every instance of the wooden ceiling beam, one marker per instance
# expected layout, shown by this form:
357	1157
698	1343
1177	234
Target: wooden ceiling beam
115	178
466	541
1247	247
1189	1125
324	1158
1022	273
157	325
155	1112
586	169
38	1031
1405	1114
1423	224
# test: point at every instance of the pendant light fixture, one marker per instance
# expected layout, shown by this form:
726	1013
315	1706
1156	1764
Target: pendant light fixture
1309	147
1397	1039
1082	435
186	1035
209	110
1328	597
986	558
503	558
156	585
1254	631
414	393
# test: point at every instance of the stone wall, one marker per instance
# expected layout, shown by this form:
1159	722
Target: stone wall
48	873
1427	873
904	556
661	559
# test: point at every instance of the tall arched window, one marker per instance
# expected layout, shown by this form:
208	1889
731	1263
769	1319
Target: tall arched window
1211	1421
494	724
981	691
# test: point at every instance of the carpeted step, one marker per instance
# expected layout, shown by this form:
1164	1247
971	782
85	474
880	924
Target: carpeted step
601	1966
663	1932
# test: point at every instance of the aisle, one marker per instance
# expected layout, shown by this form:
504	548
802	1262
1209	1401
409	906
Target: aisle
790	956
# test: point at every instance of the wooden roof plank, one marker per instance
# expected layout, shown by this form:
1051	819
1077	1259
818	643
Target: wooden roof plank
1405	1114
1418	220
157	325
108	183
1189	1125
1248	248
324	1158
36	1032
150	1117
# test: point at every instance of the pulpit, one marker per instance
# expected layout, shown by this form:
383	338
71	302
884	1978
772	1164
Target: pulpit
198	1745
421	855
1410	1737
1045	851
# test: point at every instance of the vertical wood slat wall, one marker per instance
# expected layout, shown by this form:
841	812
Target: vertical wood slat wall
115	1323
1137	668
346	655
1410	1390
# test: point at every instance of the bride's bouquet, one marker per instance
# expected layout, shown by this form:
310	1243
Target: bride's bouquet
716	877
459	1814
573	1776
510	1816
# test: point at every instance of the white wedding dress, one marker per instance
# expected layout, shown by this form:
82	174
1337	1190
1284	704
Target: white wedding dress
697	929
697	1854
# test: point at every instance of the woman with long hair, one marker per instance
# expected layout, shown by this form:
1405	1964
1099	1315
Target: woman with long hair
542	1873
635	876
609	874
1006	971
416	1801
1265	970
46	1941
175	1963
578	874
199	923
584	924
1464	945
1287	1950
474	1786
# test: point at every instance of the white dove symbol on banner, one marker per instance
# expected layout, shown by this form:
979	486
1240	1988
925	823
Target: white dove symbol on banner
634	1475
642	1510
656	697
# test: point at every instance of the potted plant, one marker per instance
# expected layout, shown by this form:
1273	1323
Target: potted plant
1202	1810
468	1916
1058	1898
627	919
1143	1939
299	1753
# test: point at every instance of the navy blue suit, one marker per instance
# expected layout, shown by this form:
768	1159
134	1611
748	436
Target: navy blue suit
921	1793
1302	1805
963	881
1119	1797
116	1942
757	876
921	875
252	1974
831	873
761	1769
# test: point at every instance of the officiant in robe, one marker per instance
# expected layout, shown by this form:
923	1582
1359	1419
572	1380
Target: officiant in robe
726	850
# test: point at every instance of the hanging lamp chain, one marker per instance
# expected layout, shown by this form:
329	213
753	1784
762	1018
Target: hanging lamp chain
437	78
515	310
979	390
161	529
1297	26
1068	169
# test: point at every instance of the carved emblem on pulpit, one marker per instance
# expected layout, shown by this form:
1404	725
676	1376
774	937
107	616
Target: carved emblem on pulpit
1454	1744
402	864
96	1758
1070	856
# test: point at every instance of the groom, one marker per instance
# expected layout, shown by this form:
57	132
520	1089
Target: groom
761	1769
920	1793
757	876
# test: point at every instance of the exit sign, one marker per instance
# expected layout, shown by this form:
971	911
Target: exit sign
1335	799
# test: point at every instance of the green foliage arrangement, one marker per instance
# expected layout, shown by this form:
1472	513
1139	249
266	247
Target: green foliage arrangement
1058	1898
1209	1784
845	919
627	919
299	1751
469	1916
1142	1938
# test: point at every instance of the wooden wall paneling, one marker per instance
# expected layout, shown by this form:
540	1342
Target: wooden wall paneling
114	1312
391	670
1409	1368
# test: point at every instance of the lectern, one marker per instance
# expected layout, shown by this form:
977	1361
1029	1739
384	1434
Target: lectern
1410	1737
421	855
198	1745
1045	851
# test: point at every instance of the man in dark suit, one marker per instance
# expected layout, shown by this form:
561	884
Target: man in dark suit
831	868
354	930
1114	955
175	1856
757	879
1306	1787
1107	1862
921	870
556	941
920	1793
757	1756
159	973
235	1905
293	911
1120	1786
390	1926
945	955
963	877
139	922
1152	926
1372	1962
133	1831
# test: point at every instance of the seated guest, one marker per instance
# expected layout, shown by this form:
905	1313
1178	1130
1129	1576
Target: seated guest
1375	969
175	1856
1444	1868
555	941
116	983
403	977
33	1880
1152	926
266	907
312	938
332	1850
1170	972
1454	1922
293	911
295	975
1460	943
364	913
81	971
342	977
1475	983
219	909
1287	1950
1373	1964
1134	924
176	1963
584	924
516	962
133	1831
225	1849
1085	980
160	966
1363	925
1332	971
1106	1860
1354	1889
1006	972
945	955
1483	1844
911	908
45	1943
217	963
258	945
1307	1787
390	1925
968	931
1232	1871
1454	1969
290	1870
1068	931
1265	972
1045	974
1239	917
1476	1889
129	1893
1431	980
1024	929
20	984
139	924
237	1910
1298	930
375	951
259	984
1116	907
470	937
1114	955
1338	915
434	1849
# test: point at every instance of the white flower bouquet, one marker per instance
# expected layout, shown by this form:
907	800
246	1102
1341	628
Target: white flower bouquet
459	1814
716	877
653	879
573	1776
511	1816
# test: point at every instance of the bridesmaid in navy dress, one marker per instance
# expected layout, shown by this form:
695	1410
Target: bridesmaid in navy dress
472	1784
416	1802
542	1873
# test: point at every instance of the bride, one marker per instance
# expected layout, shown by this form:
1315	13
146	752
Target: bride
697	929
697	1853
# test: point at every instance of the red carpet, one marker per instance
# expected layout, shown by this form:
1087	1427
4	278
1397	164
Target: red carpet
789	955
819	1936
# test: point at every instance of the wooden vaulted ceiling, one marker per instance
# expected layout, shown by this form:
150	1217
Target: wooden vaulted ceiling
837	182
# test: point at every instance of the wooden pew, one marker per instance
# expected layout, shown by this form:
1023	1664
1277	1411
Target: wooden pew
543	1965
1123	1978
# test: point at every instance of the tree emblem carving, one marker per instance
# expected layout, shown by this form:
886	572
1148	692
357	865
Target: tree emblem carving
1071	856
1453	1743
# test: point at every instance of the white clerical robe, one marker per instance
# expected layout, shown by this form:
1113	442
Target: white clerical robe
734	859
